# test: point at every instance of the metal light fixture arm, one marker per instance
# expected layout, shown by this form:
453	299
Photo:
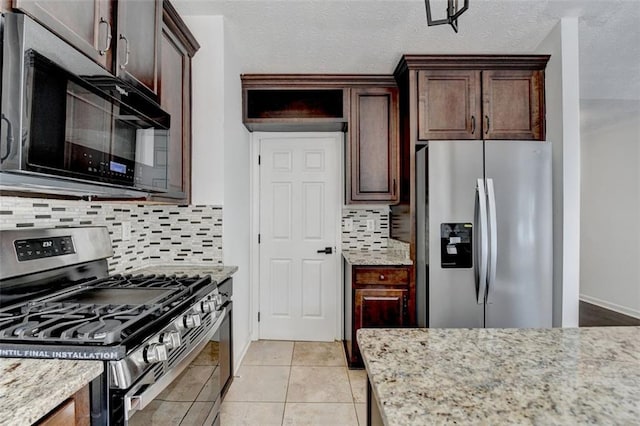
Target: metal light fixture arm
452	14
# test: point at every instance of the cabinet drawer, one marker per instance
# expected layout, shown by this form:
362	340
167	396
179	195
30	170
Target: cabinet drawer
385	276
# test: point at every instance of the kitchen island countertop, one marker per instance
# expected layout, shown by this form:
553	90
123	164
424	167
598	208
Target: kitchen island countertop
217	273
31	388
504	376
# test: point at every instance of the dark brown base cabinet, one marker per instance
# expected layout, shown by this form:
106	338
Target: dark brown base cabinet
72	412
375	297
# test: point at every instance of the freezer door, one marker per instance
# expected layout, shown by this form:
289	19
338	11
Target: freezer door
520	295
453	170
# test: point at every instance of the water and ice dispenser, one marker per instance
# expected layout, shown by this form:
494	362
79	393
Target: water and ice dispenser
456	245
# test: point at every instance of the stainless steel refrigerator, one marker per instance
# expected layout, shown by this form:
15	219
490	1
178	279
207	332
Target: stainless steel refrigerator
484	234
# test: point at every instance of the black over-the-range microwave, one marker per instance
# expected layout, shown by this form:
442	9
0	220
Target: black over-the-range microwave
67	124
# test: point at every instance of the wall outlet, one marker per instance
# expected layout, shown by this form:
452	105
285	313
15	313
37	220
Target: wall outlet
126	231
371	225
348	225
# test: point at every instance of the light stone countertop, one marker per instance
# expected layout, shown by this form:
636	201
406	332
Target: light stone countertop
31	388
504	376
217	273
383	257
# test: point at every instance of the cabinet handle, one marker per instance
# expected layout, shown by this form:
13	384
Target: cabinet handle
108	39
487	130
473	124
126	58
382	277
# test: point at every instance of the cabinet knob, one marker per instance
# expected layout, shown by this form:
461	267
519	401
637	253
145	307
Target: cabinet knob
381	277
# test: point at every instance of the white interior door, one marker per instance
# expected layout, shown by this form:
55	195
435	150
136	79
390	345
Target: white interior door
299	205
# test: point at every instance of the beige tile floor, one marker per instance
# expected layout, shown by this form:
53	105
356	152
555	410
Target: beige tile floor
295	383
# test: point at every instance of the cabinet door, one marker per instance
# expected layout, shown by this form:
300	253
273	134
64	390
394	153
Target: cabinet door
138	39
87	25
373	146
449	105
175	98
513	104
380	307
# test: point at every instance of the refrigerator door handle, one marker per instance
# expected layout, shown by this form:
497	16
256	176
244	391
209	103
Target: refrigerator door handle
482	244
493	239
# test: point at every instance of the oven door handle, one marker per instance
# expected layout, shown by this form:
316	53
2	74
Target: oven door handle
136	400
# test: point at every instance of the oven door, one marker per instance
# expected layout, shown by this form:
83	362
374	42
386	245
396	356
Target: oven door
143	393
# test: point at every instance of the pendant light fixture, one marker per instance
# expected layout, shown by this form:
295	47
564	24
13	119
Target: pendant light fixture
452	14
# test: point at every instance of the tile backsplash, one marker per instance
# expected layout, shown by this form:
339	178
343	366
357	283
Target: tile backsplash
158	233
361	236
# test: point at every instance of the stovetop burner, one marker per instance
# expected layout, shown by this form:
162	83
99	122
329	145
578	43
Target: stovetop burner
102	312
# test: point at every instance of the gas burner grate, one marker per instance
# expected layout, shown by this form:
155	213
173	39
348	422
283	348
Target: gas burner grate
119	309
72	322
150	281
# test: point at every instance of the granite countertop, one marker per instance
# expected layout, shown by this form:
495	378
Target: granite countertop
217	273
376	257
504	376
31	388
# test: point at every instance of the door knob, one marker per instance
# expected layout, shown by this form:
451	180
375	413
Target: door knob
326	250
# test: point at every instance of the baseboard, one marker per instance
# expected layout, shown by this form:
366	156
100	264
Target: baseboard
242	354
611	306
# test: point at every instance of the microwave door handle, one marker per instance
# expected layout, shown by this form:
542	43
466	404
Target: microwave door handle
9	139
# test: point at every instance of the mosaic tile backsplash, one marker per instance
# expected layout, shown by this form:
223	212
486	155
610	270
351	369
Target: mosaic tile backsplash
158	233
360	236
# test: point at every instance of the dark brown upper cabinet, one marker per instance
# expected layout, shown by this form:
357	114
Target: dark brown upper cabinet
294	102
513	104
372	153
87	25
138	43
477	96
449	105
177	47
364	106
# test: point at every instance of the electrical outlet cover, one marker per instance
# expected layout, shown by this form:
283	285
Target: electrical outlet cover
348	225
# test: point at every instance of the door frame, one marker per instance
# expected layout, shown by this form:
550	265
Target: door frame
254	226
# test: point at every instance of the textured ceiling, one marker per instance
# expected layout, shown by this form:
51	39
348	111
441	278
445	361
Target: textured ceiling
369	36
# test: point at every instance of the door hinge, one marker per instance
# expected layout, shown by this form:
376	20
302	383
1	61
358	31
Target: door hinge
258	238
258	316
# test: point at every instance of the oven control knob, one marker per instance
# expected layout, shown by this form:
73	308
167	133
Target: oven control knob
171	339
218	298
191	320
155	352
207	306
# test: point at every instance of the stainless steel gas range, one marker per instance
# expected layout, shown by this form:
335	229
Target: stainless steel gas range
58	301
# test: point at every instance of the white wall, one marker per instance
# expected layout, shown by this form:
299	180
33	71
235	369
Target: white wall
610	243
236	217
207	167
563	130
220	155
